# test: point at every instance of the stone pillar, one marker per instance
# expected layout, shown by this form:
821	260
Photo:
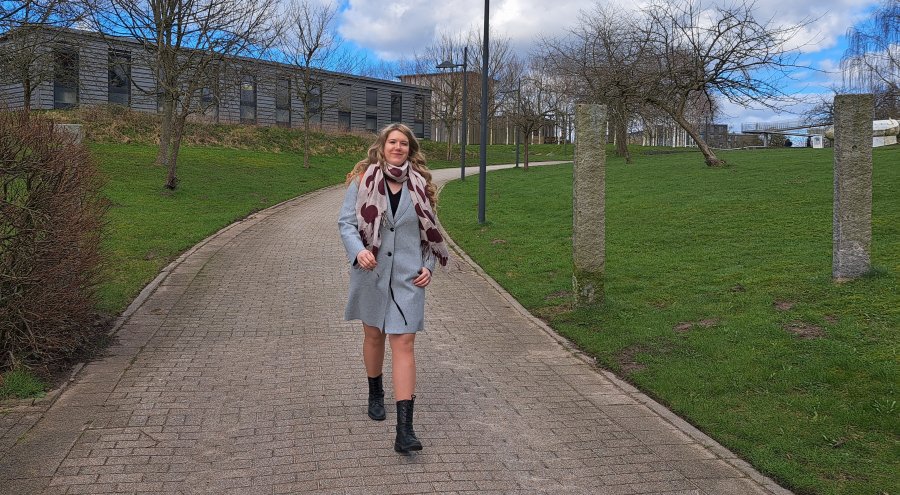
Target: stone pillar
589	204
852	224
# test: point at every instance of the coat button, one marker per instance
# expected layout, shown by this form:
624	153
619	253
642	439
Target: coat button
389	254
392	229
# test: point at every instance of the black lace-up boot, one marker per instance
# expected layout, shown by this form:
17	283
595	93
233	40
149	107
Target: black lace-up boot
376	399
406	438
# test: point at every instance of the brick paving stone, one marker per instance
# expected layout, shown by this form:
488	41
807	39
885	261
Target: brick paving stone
235	373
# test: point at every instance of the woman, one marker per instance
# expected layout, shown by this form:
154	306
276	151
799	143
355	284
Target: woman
391	235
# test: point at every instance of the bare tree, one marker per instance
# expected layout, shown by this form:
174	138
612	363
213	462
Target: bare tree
446	88
602	53
821	111
694	54
872	59
504	68
535	102
30	31
380	69
310	43
188	44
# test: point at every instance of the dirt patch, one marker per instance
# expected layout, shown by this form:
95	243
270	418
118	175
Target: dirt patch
804	330
683	327
686	326
660	304
626	359
784	305
498	241
831	319
738	288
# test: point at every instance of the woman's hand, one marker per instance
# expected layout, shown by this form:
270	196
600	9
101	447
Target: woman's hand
366	260
424	278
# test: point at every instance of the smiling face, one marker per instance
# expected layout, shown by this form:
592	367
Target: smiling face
396	148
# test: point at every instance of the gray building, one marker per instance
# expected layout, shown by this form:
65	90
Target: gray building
88	69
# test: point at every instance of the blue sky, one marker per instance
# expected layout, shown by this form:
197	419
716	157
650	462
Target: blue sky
388	30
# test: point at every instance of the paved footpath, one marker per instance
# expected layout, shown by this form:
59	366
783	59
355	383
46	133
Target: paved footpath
234	373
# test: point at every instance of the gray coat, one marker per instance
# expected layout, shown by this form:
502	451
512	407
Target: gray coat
399	261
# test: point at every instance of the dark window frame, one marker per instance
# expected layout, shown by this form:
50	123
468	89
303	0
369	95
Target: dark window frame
372	98
372	122
119	81
209	102
249	105
344	120
62	76
396	107
419	116
283	102
315	100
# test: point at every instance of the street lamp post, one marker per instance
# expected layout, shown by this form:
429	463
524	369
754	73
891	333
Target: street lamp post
464	134
482	166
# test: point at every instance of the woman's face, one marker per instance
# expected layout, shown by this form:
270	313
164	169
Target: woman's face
396	148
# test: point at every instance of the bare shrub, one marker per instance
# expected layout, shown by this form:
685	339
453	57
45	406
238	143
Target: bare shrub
51	215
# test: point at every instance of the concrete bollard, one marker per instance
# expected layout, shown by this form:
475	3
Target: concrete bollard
74	130
852	223
589	204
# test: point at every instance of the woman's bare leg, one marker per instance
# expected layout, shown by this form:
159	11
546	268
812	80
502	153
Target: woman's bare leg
373	350
404	365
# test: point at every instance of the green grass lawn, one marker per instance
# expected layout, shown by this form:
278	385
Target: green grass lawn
148	226
710	275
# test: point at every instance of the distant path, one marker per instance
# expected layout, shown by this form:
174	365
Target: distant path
234	373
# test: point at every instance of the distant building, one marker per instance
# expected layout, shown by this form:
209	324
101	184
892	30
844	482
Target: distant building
91	70
501	129
672	135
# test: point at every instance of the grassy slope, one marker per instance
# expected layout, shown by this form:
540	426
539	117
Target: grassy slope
148	226
686	243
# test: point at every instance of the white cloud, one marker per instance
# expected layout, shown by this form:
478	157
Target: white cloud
396	28
393	28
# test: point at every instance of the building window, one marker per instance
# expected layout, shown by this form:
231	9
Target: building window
119	77
283	102
209	103
419	120
315	99
344	121
248	100
344	95
396	107
65	78
371	98
371	122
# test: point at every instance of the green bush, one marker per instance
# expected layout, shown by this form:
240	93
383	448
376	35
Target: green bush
51	213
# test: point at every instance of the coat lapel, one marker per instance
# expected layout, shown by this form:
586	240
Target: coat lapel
405	201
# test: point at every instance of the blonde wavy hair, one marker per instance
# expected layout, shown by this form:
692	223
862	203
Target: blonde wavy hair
416	158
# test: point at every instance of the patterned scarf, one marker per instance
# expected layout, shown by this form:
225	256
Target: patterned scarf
372	201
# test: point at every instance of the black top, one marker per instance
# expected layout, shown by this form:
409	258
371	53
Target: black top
395	199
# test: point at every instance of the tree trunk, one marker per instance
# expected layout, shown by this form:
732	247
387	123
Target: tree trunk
622	140
620	128
449	144
711	159
165	131
305	139
177	134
